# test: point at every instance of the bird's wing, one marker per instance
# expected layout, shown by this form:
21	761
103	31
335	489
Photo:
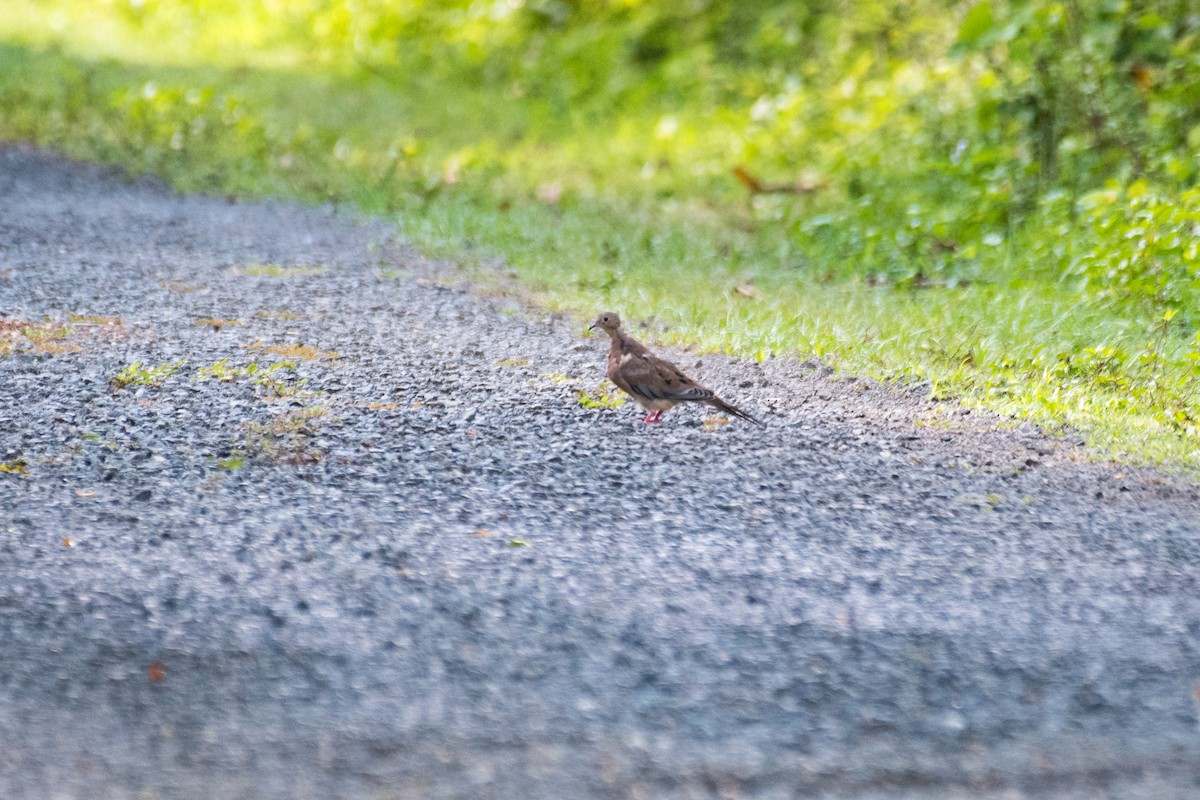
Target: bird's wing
655	379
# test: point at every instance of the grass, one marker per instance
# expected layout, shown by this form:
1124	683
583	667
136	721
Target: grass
275	380
223	372
642	215
138	374
604	396
229	464
38	337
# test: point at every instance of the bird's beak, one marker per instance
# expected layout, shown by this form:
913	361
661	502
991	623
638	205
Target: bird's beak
592	327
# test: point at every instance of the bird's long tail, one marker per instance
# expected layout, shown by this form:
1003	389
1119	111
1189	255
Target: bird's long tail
721	405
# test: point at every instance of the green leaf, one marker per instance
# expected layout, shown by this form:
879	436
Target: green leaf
17	467
976	25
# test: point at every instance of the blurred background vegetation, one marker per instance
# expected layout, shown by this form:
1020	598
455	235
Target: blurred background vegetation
998	198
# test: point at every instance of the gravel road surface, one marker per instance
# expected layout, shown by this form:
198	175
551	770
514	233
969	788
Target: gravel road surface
365	541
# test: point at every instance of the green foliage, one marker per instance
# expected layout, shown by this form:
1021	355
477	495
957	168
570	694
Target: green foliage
15	467
604	396
279	380
231	463
221	371
1146	248
138	374
1090	89
276	380
997	197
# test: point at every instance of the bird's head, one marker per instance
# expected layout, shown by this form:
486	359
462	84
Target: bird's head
607	321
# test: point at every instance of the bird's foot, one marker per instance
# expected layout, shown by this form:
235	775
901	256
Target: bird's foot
653	416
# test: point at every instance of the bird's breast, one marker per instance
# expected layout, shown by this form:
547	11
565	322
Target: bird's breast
614	366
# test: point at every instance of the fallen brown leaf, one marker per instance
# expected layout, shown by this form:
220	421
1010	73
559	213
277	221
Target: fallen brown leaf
713	423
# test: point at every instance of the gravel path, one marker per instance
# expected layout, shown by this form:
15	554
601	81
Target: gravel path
398	558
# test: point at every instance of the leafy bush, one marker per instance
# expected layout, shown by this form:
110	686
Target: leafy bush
1147	246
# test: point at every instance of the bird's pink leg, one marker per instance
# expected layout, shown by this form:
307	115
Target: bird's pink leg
653	416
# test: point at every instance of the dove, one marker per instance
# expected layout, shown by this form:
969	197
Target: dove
654	383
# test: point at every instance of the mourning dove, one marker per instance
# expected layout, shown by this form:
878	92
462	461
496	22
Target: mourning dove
654	383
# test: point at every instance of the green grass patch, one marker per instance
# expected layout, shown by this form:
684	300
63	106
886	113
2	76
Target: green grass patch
138	374
229	464
907	199
273	381
605	396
